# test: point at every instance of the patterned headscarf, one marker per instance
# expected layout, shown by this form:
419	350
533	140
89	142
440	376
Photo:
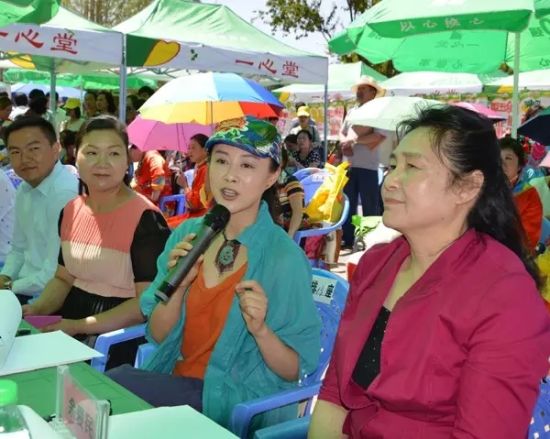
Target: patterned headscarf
250	134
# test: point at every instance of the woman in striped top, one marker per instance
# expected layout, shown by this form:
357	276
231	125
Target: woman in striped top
291	199
110	240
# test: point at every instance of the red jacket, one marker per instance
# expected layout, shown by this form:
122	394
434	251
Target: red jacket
531	214
464	348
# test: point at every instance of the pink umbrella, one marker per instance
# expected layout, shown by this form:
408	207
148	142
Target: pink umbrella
545	163
151	134
483	110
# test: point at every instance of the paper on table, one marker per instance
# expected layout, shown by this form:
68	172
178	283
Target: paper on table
37	426
38	351
176	422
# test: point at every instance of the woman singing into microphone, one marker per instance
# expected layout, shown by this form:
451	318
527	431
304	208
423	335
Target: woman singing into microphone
242	324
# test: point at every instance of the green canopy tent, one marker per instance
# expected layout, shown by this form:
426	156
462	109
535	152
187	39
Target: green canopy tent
209	37
66	43
341	77
466	36
95	81
25	11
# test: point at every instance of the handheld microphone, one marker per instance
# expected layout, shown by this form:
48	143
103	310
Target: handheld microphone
214	221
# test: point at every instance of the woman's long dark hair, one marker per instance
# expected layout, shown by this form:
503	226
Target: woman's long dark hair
271	194
468	142
103	122
111	106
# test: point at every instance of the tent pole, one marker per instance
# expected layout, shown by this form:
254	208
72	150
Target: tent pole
53	100
123	91
515	94
325	109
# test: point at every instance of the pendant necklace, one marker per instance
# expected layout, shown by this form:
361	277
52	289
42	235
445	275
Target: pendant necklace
227	254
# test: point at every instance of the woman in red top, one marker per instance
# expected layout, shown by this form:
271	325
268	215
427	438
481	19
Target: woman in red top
526	196
152	176
444	334
197	198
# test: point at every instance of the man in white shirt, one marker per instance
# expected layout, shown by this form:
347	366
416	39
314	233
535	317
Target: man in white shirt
7	215
360	147
34	151
59	115
21	105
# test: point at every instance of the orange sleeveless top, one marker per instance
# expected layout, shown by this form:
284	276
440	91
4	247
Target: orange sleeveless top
206	312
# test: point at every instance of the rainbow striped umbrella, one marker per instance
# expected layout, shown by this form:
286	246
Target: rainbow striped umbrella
209	98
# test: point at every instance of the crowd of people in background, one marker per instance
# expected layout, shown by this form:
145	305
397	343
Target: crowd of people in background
461	198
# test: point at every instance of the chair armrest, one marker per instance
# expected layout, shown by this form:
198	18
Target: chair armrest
143	352
318	231
325	230
245	411
104	342
293	429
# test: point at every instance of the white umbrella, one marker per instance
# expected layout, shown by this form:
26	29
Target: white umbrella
387	112
533	80
415	83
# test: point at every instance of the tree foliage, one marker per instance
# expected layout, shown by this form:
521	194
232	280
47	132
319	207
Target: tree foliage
106	12
302	17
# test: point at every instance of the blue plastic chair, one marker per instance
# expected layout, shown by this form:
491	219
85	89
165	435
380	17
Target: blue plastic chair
300	174
143	352
293	429
189	176
330	293
325	230
311	183
104	342
179	199
544	231
540	423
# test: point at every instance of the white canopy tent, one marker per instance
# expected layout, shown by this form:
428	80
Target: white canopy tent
341	78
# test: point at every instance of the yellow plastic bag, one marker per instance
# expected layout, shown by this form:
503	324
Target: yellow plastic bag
543	262
328	201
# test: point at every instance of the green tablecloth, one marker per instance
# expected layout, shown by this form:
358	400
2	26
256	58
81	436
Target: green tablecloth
37	389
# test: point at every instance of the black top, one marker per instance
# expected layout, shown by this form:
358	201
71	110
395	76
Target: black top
150	236
368	365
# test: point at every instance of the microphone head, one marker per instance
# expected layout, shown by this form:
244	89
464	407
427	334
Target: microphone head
217	218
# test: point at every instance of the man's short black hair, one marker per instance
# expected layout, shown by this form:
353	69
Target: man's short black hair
291	138
20	99
36	93
30	122
56	96
146	89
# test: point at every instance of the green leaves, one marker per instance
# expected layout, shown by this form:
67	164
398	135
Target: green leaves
302	17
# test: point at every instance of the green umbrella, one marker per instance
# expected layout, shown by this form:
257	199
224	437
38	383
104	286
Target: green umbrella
27	11
452	36
542	8
424	44
399	18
